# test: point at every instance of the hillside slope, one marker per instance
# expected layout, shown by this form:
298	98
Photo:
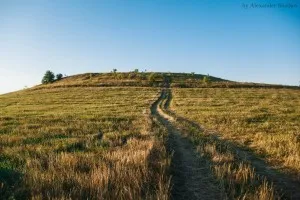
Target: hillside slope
137	79
87	143
152	79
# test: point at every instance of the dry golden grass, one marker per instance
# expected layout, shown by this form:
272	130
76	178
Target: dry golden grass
87	143
236	174
137	79
237	178
102	143
265	120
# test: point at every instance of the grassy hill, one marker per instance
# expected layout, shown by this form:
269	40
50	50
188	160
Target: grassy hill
94	135
152	79
138	79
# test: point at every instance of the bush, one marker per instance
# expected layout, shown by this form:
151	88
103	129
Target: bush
141	76
132	75
206	80
152	77
121	76
48	77
59	76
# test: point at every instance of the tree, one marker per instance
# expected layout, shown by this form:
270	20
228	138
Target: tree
48	77
59	76
136	71
114	70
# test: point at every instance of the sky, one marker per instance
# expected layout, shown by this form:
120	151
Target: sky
235	40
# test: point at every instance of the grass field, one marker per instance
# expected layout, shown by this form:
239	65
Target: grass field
266	121
73	139
93	143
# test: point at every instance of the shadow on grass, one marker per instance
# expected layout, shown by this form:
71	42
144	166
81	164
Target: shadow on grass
11	180
38	140
158	183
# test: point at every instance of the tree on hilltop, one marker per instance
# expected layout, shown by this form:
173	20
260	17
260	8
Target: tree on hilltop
59	76
48	77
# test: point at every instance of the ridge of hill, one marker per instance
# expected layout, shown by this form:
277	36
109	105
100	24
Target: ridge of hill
144	79
152	79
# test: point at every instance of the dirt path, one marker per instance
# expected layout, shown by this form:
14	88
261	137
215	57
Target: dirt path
283	183
191	174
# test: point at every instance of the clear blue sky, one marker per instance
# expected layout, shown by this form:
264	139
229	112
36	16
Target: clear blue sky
220	38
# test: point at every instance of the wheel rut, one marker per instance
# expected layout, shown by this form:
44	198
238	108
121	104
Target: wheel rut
288	187
191	174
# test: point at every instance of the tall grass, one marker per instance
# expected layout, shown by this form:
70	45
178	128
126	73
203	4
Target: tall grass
236	174
87	143
265	120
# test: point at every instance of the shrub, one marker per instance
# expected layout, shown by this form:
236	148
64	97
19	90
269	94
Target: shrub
59	76
121	76
132	75
141	76
152	77
206	80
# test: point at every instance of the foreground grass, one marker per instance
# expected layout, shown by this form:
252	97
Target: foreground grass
237	178
265	120
91	143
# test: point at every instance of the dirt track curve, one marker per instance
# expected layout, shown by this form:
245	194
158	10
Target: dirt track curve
191	175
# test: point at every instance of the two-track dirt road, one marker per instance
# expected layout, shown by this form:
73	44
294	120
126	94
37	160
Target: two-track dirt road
191	174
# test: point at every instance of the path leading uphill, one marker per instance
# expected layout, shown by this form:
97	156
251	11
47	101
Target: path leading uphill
191	175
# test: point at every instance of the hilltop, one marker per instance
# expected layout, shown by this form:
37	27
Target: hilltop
144	79
151	79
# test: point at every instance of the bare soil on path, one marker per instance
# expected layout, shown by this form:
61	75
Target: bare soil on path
288	187
191	174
